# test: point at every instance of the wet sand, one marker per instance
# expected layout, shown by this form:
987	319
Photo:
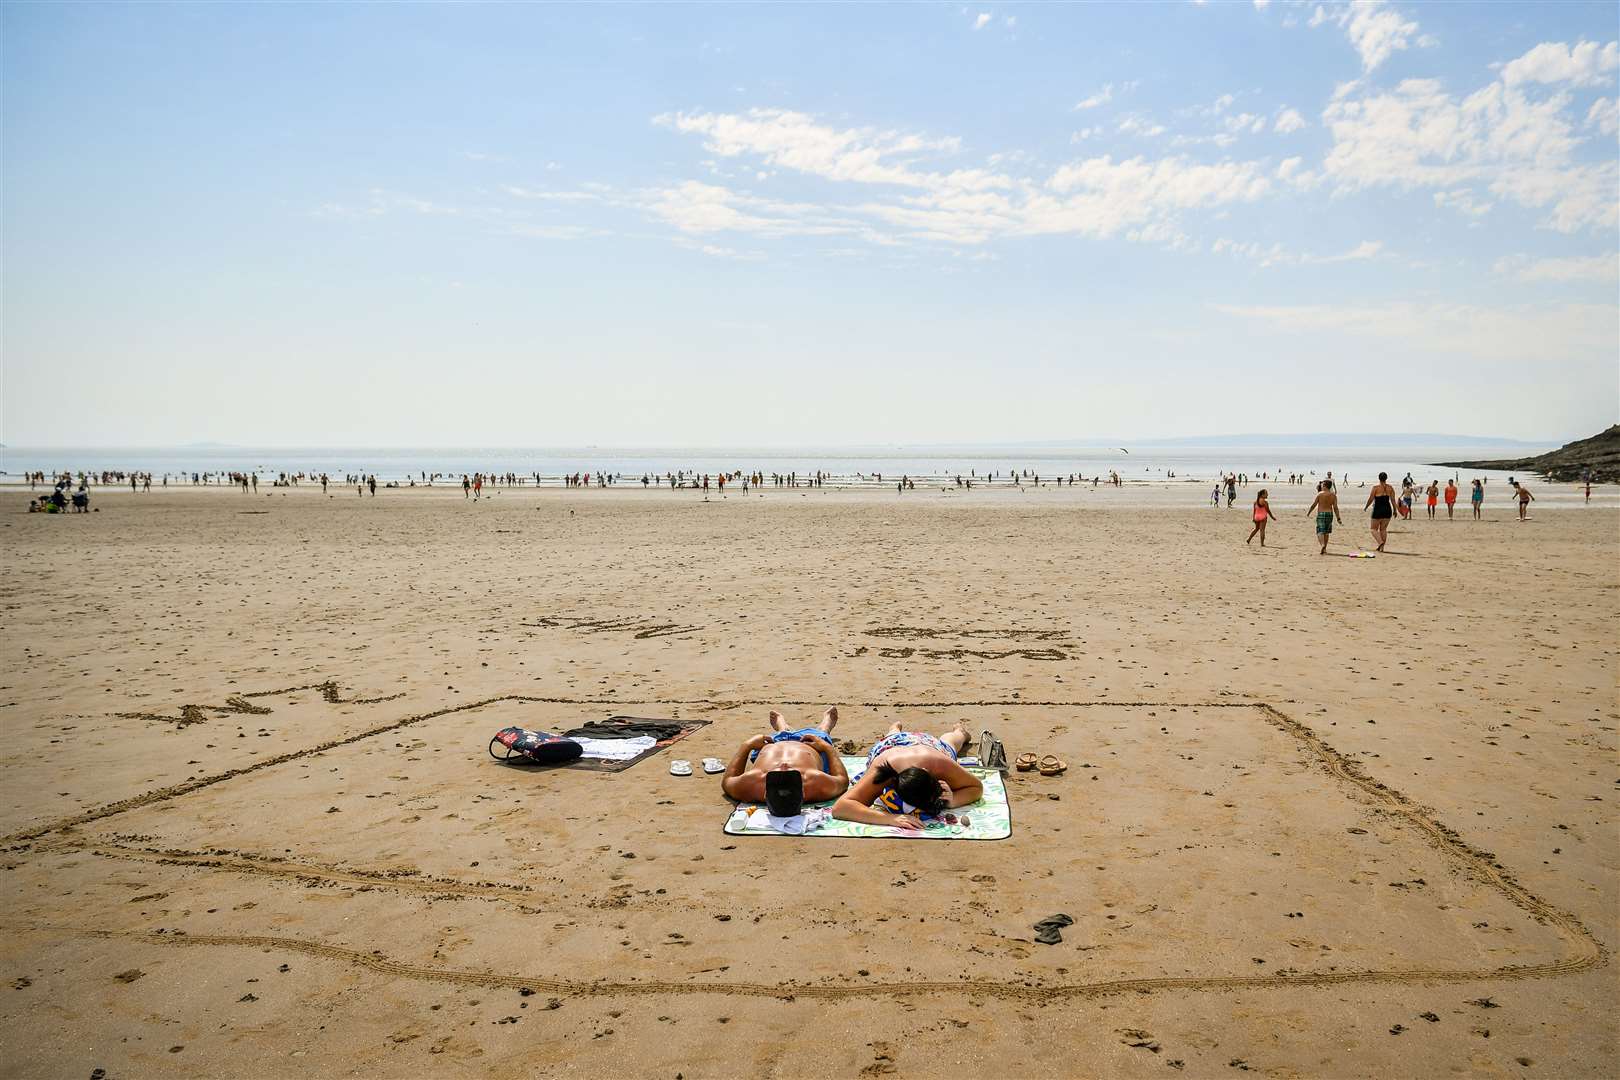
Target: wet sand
1323	816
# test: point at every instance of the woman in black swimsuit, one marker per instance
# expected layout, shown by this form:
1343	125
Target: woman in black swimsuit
1382	501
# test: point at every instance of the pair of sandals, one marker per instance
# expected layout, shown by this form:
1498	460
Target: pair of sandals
1048	765
680	767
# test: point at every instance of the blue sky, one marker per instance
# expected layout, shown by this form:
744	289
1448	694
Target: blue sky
732	224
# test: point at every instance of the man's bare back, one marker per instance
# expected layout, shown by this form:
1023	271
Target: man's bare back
812	755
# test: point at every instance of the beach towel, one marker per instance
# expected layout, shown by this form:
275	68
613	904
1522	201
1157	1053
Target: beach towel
989	819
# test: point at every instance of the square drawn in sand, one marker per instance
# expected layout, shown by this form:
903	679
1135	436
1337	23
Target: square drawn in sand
1195	845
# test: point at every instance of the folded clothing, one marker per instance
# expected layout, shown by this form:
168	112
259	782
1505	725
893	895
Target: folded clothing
538	746
626	727
797	825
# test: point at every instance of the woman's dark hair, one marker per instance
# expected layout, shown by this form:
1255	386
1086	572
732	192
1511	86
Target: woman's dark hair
916	786
1383	478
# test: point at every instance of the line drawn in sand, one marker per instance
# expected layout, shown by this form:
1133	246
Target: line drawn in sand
1583	951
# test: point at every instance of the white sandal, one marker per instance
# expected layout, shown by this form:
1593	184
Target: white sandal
713	765
680	768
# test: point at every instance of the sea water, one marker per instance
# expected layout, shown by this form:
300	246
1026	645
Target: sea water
844	466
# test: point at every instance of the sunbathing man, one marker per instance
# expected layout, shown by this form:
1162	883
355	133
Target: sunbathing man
787	768
910	774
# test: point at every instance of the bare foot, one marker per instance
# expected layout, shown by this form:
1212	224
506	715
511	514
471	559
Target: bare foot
777	723
967	740
829	719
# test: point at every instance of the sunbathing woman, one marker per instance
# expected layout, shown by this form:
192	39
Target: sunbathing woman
910	774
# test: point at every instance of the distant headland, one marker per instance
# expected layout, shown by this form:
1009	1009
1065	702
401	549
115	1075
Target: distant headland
1598	457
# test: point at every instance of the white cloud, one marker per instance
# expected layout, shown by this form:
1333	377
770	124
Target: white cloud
1245	122
1101	97
698	208
982	21
792	140
1138	198
718	252
1585	63
1277	255
1220	138
1463	201
1418	135
1604	116
1136	125
1600	268
1288	122
1261	5
550	196
1376	29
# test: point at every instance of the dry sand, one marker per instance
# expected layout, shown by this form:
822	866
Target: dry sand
1324	816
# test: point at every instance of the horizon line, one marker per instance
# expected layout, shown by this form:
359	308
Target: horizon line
1100	443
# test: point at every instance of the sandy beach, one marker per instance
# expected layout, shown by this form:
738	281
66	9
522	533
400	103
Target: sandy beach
1322	816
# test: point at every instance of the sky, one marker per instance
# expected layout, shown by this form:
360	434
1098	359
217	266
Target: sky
730	224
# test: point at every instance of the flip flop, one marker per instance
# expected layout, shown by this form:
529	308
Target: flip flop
680	768
1052	765
1025	762
713	765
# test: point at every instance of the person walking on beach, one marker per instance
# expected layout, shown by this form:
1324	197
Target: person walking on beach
1231	490
1434	497
1477	497
1326	508
1262	514
1451	497
1525	498
1382	501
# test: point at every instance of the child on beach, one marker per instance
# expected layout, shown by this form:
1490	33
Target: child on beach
1262	514
1326	508
1434	497
1524	497
1451	497
1477	497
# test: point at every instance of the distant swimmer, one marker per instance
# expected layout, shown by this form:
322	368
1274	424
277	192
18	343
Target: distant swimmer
1382	501
1326	508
